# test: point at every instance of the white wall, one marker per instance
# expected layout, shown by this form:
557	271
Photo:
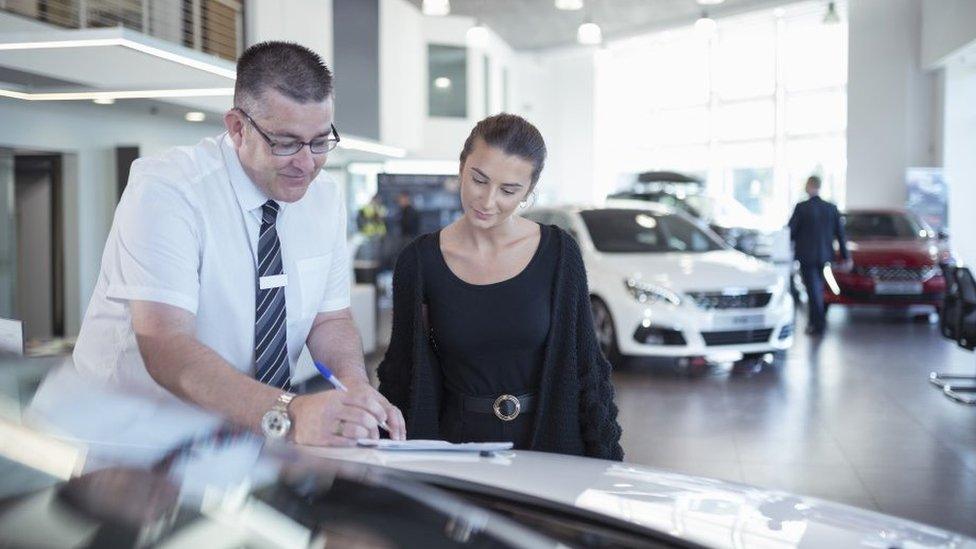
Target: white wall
443	137
88	134
307	22
960	155
403	69
947	26
555	90
889	96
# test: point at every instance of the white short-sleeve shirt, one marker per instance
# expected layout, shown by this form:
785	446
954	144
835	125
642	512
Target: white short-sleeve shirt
185	233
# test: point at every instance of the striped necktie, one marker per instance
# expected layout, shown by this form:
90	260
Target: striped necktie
270	337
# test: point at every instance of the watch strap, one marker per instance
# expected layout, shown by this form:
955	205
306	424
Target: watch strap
281	405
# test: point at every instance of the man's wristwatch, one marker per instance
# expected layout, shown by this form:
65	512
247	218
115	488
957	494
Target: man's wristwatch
276	423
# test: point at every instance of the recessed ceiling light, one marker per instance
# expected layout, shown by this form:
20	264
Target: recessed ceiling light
477	36
589	34
710	2
705	24
104	101
569	5
442	82
195	116
436	8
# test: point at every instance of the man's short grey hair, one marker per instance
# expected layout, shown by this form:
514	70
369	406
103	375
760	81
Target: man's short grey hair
290	69
814	182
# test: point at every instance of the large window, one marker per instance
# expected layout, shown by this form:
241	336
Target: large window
758	106
447	73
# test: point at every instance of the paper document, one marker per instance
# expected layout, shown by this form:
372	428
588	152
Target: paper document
439	445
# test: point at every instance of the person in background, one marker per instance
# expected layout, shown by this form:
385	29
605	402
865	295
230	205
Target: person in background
225	259
409	218
814	226
492	335
371	220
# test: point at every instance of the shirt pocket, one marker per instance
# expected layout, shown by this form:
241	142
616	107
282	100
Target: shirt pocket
313	275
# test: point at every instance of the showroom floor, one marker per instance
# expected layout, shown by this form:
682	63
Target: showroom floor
850	418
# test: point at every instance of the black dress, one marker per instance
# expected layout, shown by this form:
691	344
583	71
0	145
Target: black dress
575	412
490	340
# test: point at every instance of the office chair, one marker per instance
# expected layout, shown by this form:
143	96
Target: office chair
949	313
949	318
966	336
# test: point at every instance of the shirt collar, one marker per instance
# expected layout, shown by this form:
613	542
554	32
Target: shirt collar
249	196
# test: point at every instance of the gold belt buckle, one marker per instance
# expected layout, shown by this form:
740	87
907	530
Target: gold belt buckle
497	407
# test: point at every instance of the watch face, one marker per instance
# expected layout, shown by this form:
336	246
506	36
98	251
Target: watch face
275	424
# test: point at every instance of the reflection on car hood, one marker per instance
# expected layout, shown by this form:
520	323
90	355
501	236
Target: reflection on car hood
709	512
690	271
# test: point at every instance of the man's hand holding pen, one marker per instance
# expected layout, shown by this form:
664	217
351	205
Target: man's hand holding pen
339	418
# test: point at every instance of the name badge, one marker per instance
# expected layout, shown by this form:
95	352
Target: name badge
273	281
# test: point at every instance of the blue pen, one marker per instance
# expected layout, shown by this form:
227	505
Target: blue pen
331	378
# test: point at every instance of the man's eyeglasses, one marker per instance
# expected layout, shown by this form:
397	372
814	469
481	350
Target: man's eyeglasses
319	145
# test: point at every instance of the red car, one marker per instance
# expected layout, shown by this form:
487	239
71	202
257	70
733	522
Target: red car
896	261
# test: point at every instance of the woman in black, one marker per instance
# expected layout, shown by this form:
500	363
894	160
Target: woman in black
492	336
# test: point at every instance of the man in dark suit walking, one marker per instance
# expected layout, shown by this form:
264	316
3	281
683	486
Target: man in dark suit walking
813	227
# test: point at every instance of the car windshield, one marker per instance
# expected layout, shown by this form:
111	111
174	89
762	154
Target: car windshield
640	231
883	226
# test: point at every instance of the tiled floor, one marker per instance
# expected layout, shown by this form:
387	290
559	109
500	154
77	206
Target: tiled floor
849	418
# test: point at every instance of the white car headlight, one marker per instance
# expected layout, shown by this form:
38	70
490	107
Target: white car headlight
645	292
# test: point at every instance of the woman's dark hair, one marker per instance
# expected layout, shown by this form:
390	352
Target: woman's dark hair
515	136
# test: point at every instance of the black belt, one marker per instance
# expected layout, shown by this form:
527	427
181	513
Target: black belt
505	407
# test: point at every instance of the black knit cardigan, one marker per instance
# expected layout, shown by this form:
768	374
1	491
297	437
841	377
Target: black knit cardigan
575	412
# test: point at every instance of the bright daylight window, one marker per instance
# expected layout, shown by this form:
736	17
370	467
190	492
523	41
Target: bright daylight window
758	106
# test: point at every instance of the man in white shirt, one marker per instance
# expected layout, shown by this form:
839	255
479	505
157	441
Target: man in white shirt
224	260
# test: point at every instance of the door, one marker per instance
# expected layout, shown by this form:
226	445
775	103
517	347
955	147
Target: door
37	213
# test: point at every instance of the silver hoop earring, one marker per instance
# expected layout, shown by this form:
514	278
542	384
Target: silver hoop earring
523	204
